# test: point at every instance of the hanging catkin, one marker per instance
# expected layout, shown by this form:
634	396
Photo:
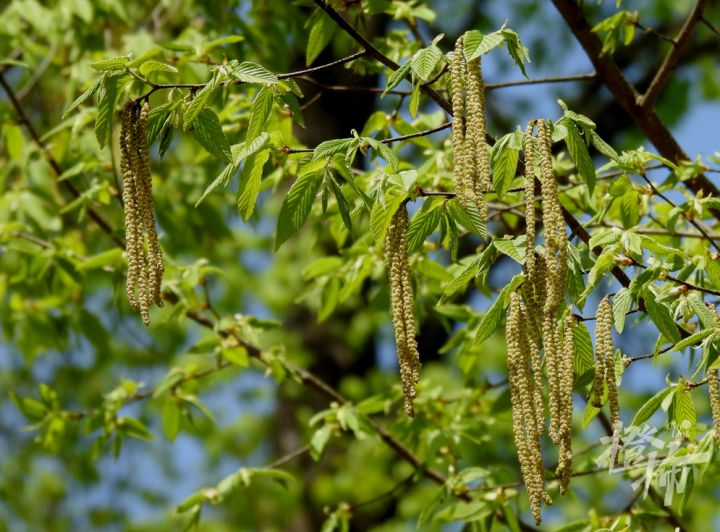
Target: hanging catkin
475	133
714	390
524	408
566	367
145	260
605	362
532	284
472	163
401	302
461	170
555	259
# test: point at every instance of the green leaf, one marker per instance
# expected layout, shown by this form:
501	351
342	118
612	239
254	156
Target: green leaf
516	49
515	248
414	104
477	44
92	89
157	121
424	62
396	77
332	147
342	202
250	72
107	98
693	339
684	413
296	207
580	155
112	63
246	149
422	226
461	279
384	151
260	112
602	146
13	140
492	318
604	263
584	355
148	67
661	317
250	179
630	209
199	102
112	257
704	314
505	160
221	179
134	428
171	417
650	406
236	354
208	132
469	217
621	305
319	440
320	35
381	216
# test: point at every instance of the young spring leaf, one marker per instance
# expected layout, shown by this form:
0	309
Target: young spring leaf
424	62
107	98
250	183
319	37
580	155
477	44
422	226
296	207
250	72
208	132
261	107
505	160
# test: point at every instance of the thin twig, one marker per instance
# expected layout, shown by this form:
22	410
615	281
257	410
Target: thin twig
673	56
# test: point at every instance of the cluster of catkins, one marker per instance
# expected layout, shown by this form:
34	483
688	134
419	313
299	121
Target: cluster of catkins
145	259
472	175
533	327
472	161
401	303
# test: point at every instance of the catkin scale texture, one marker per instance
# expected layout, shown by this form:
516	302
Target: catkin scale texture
402	303
526	433
145	259
472	162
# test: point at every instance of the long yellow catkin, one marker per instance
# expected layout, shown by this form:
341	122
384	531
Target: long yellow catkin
556	265
567	370
402	302
145	260
475	133
524	408
605	360
460	148
472	162
714	390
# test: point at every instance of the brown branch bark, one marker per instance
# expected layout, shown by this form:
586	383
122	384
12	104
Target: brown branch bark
627	96
672	58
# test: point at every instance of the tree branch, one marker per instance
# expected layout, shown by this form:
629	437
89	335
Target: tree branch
647	119
672	58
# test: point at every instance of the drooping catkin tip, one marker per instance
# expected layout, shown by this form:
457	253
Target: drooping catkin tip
401	305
